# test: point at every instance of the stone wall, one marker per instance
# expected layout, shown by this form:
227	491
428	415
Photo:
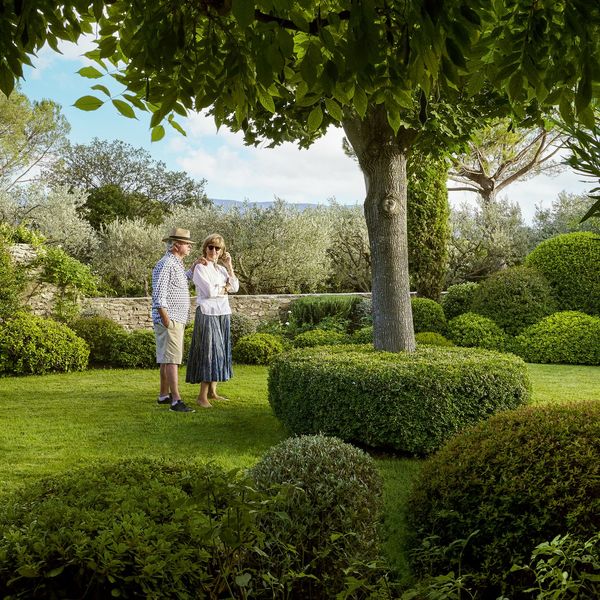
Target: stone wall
134	313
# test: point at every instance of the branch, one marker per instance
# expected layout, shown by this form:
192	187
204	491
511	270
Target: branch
463	189
313	27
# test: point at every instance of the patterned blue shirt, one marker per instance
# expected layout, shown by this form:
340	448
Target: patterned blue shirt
170	289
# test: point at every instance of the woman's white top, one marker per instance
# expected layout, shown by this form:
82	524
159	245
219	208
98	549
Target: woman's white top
210	280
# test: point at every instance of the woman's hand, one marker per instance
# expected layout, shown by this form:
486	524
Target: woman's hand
226	258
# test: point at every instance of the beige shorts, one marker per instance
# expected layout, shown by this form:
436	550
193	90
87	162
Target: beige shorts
169	343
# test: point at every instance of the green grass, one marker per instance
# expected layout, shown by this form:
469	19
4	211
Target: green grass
54	423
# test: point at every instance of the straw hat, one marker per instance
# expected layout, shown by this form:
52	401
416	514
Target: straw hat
179	235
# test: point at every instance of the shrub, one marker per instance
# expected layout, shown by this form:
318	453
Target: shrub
132	529
472	330
134	350
566	337
32	345
457	299
514	298
12	284
311	310
430	338
363	335
241	325
410	402
570	263
428	315
333	506
504	486
318	337
100	333
257	349
361	313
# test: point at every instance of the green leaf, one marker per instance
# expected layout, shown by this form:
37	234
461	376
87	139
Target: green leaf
360	102
158	133
7	81
88	103
334	109
101	88
243	580
583	97
90	72
393	118
266	100
243	11
177	126
124	108
315	118
455	53
56	571
515	85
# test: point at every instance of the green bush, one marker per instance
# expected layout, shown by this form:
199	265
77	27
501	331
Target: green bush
494	492
333	505
257	349
361	313
566	337
410	402
134	350
12	284
514	298
430	338
428	315
364	335
241	325
311	310
570	264
472	330
318	337
133	529
20	234
32	345
100	333
457	299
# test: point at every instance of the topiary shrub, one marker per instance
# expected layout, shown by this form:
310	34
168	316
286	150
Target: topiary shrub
132	529
257	349
430	338
410	402
514	298
570	264
100	333
318	337
504	486
241	325
428	315
472	330
134	350
457	299
333	505
363	335
32	345
565	337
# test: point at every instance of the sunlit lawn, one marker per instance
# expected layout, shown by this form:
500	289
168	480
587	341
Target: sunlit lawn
54	423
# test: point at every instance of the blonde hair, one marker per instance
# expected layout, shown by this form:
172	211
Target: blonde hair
214	239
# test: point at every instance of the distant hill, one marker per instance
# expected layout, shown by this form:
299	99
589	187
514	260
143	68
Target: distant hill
227	204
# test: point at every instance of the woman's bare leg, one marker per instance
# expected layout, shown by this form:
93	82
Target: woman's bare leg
202	399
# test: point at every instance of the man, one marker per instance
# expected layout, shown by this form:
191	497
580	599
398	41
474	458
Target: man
170	310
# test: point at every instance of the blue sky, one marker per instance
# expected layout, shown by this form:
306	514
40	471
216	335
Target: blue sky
232	170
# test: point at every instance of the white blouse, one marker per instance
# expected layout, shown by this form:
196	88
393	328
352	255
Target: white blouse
210	280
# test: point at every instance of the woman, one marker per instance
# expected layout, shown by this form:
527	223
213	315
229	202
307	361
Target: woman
209	359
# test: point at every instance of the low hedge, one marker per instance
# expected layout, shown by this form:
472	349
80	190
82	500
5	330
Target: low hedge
134	350
494	492
431	338
318	337
410	402
476	331
100	334
257	349
567	337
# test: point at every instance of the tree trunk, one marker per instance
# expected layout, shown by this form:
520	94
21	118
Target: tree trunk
382	158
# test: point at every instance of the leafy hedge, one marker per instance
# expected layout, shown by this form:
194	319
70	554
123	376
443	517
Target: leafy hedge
318	337
431	338
473	330
311	310
32	345
134	350
568	337
458	298
409	402
428	315
257	349
492	493
100	333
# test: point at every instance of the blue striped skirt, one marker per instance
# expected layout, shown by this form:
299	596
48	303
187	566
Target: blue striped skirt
210	351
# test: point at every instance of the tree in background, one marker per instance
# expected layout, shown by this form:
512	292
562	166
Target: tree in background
390	72
123	182
30	134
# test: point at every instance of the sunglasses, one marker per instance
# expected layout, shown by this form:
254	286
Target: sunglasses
211	247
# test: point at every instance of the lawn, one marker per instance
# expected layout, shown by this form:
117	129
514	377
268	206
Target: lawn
54	423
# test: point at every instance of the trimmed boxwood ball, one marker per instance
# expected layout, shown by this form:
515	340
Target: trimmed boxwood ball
32	345
410	402
428	315
333	504
570	264
514	298
516	480
100	333
567	337
457	299
430	338
257	349
473	330
318	337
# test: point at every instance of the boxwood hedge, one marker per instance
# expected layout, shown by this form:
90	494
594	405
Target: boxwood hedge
410	402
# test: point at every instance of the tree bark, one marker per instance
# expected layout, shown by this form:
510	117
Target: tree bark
382	158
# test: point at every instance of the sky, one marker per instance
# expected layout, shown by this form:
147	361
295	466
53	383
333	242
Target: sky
232	170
